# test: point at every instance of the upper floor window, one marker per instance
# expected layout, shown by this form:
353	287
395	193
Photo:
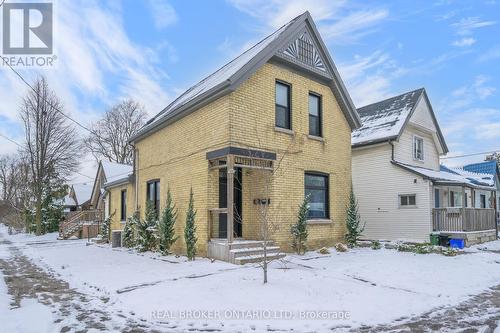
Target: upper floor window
316	187
283	113
153	194
418	148
314	115
123	205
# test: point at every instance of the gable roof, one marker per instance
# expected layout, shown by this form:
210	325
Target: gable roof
108	172
83	192
279	45
489	167
385	120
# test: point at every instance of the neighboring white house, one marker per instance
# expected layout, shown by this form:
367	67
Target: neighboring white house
403	193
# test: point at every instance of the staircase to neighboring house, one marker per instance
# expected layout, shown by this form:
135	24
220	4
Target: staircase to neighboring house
87	221
242	252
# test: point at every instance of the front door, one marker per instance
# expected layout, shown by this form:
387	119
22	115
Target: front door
238	202
436	198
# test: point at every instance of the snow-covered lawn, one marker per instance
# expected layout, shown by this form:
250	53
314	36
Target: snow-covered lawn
362	286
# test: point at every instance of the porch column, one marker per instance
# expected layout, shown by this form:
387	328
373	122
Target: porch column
230	199
464	222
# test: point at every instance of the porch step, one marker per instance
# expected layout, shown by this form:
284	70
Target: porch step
237	253
257	258
245	244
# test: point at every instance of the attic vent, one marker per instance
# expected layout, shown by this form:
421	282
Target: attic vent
306	52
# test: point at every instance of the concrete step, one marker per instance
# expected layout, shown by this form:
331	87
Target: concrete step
249	251
257	258
248	244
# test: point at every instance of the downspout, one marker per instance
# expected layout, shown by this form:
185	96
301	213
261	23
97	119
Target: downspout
392	150
136	176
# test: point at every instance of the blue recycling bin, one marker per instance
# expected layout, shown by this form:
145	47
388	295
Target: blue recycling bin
457	243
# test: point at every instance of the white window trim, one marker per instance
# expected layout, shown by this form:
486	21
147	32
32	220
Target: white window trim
414	148
407	206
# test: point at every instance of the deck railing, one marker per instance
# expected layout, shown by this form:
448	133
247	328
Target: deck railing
214	216
463	220
75	221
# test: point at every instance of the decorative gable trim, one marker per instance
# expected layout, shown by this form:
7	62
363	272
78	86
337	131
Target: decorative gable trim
304	52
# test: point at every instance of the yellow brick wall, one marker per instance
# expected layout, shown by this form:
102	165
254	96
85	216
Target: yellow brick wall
114	197
176	155
245	118
252	125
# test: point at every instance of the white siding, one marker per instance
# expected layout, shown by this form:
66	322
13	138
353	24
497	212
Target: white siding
403	149
422	116
377	184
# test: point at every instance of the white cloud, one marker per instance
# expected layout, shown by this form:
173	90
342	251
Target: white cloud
163	13
491	54
369	78
467	25
465	96
338	21
464	42
278	12
489	131
353	26
97	65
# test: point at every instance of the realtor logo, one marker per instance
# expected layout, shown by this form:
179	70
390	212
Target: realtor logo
27	28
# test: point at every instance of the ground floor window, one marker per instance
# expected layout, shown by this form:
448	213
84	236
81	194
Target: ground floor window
455	199
123	205
153	194
316	187
407	200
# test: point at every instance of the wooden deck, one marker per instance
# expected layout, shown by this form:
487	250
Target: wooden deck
463	219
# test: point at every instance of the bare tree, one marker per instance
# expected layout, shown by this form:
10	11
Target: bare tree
111	134
8	177
493	157
51	147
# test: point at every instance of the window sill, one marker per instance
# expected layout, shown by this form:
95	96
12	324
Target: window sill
319	222
317	138
284	130
417	160
408	207
123	222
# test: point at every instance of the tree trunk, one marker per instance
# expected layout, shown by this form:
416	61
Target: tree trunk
38	215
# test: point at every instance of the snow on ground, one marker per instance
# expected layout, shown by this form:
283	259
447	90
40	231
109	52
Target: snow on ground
14	319
362	286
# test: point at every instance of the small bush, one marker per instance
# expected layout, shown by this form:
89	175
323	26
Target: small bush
406	248
341	247
353	222
130	231
376	245
299	229
423	248
324	250
449	252
190	229
147	229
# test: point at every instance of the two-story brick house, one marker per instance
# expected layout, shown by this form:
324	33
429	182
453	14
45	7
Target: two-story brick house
266	129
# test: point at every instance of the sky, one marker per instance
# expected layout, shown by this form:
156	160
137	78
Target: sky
153	50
